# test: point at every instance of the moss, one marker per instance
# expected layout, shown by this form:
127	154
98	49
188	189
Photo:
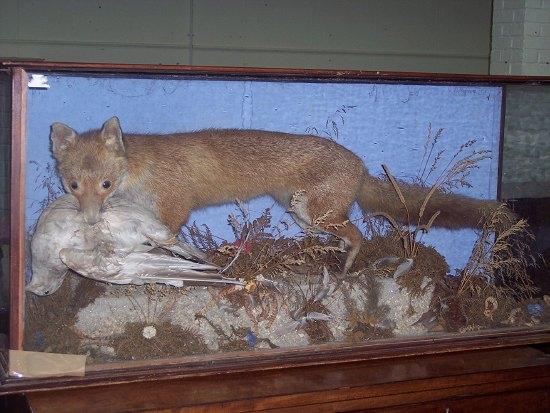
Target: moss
427	263
317	331
50	320
170	340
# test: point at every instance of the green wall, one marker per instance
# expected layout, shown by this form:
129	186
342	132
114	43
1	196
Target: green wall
399	35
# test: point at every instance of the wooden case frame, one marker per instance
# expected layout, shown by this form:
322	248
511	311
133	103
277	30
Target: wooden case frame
242	361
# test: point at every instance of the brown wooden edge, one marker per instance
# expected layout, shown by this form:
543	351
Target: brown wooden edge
353	386
17	237
501	141
254	361
326	75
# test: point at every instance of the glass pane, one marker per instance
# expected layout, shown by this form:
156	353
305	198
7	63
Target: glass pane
275	252
526	168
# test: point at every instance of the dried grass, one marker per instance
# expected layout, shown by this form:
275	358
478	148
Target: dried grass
410	238
239	339
500	260
260	250
48	180
334	120
457	170
453	175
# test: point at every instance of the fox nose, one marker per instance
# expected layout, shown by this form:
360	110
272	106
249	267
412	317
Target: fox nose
91	211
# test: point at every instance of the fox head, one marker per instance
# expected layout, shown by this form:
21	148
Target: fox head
92	165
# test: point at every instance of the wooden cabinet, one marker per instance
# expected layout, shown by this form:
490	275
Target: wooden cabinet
504	380
474	370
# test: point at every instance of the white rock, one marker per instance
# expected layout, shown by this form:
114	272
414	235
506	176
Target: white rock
149	332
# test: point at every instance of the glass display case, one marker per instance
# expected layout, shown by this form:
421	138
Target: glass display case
207	219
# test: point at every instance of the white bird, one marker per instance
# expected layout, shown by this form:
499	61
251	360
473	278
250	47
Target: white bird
117	249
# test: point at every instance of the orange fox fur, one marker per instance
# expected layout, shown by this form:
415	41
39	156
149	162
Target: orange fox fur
176	173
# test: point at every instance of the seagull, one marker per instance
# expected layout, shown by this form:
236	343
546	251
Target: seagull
121	248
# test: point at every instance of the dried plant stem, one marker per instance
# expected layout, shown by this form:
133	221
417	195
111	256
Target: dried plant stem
500	260
239	250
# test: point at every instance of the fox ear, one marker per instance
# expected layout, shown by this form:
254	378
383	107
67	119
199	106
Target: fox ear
112	135
62	137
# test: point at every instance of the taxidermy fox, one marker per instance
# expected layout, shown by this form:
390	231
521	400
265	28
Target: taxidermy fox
176	173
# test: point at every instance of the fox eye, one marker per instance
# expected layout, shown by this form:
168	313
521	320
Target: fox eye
74	185
106	184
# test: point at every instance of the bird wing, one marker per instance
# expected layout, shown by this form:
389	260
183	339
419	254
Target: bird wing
185	250
123	267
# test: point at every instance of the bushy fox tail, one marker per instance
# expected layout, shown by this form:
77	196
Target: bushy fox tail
456	211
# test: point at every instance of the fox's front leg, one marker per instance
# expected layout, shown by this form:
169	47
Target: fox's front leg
174	217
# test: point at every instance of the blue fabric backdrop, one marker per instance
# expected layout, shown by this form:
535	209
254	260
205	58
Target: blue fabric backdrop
382	123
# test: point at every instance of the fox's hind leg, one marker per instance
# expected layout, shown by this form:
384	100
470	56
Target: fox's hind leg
316	212
340	226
